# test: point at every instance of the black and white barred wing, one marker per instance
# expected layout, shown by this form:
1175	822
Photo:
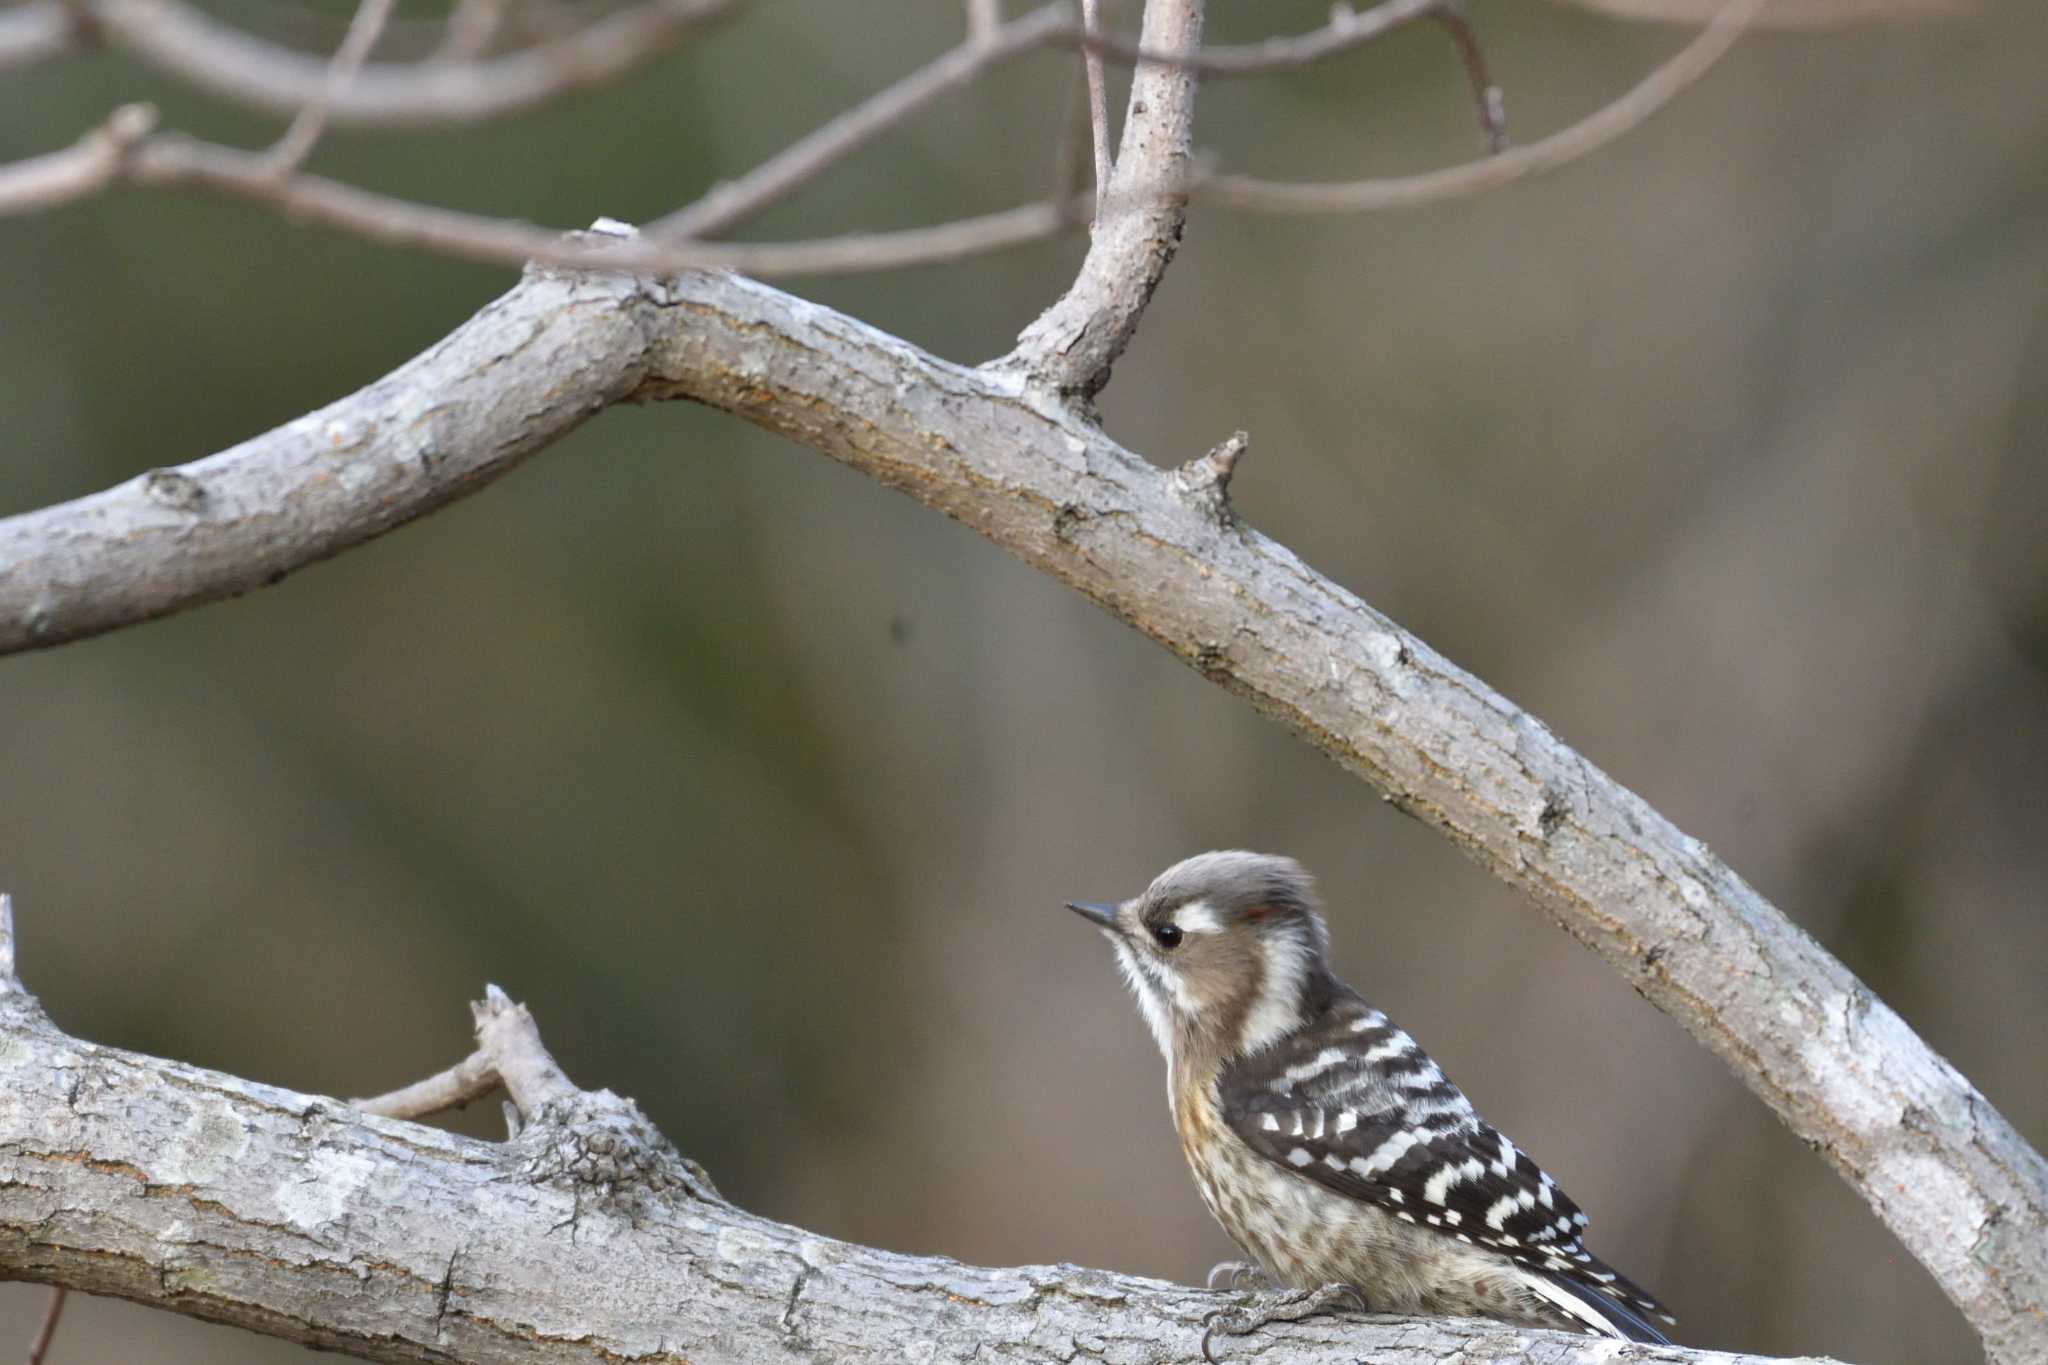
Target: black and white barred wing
1356	1106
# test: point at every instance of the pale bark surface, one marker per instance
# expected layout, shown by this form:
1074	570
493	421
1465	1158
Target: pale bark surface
1162	551
584	1239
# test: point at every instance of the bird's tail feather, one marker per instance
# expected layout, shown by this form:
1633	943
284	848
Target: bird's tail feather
1601	1312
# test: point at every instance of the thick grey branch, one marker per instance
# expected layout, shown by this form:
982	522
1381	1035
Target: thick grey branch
1963	1192
585	1239
450	421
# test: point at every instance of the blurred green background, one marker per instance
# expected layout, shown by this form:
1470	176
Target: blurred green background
1722	451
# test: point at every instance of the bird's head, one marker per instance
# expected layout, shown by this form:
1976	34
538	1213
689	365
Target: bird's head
1220	950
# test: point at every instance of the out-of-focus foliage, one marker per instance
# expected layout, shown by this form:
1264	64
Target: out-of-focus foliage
1723	452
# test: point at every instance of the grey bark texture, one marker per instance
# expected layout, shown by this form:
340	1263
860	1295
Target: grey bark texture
583	1239
1161	550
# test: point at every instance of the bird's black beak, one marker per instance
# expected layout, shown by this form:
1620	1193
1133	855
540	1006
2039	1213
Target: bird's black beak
1097	913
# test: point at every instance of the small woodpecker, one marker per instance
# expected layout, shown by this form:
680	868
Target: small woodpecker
1329	1146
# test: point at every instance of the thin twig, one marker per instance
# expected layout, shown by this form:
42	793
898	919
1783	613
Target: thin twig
400	222
46	1333
1346	30
1493	114
472	27
110	154
509	1053
1788	15
85	168
507	1032
1655	91
470	1079
6	942
728	204
1098	99
297	143
1070	153
173	37
983	18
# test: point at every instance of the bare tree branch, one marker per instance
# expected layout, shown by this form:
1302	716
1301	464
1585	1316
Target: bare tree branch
469	1080
1611	121
1138	219
47	1331
169	163
731	203
1787	14
1963	1192
304	134
472	26
296	145
1098	98
1493	117
586	1238
1152	195
983	18
83	169
1346	29
10	982
184	42
35	33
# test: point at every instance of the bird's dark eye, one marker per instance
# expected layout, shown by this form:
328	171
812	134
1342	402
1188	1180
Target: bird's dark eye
1166	935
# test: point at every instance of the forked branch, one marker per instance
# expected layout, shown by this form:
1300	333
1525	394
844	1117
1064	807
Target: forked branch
585	1238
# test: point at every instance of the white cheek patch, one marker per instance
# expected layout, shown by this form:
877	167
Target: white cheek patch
1198	917
1151	999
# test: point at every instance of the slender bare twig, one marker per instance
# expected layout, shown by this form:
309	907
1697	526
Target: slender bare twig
506	1031
470	1079
85	168
1098	99
983	18
211	54
1655	91
47	1332
509	1053
296	145
727	205
7	978
472	27
105	157
399	222
1070	153
1493	114
109	154
1345	30
184	42
731	203
1792	15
